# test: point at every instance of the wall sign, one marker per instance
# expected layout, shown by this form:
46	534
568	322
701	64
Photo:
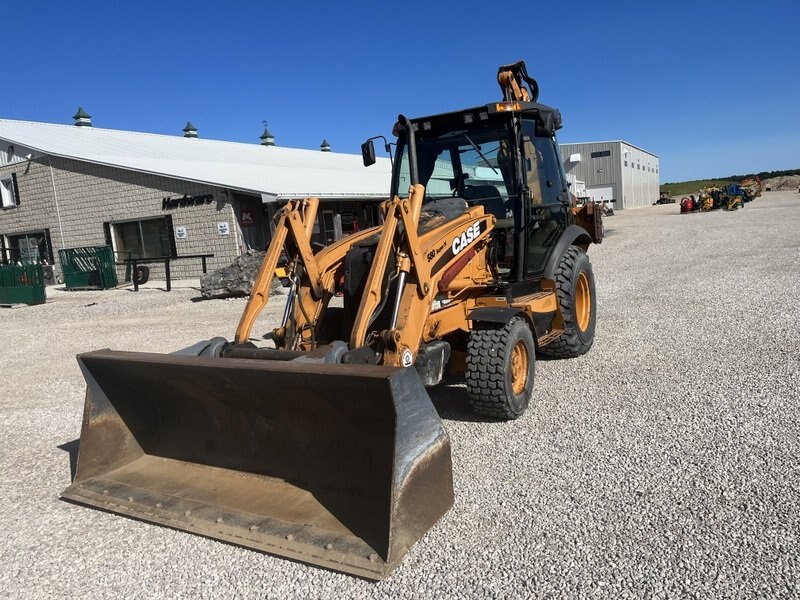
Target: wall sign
180	232
169	202
248	217
223	228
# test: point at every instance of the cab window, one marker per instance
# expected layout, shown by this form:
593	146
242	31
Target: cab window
542	166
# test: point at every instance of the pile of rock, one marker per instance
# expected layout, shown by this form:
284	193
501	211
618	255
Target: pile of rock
783	183
237	279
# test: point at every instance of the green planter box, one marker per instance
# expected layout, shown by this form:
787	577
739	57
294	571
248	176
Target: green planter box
91	267
22	284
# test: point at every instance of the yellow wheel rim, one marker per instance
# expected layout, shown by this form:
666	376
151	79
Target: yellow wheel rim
583	302
519	367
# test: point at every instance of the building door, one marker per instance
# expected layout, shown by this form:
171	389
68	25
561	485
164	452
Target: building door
603	194
250	215
331	227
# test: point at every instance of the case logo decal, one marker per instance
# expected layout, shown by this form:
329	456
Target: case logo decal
466	238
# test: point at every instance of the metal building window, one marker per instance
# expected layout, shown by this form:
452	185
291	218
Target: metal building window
27	248
601	154
144	239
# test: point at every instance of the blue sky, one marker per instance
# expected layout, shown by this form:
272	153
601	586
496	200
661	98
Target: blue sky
712	87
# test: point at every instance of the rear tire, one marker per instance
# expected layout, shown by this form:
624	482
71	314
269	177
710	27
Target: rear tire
576	297
500	368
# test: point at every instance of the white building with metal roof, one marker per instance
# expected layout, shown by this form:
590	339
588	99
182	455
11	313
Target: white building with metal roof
66	186
278	173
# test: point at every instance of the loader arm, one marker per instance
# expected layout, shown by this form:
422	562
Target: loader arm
407	211
307	310
450	263
441	261
297	218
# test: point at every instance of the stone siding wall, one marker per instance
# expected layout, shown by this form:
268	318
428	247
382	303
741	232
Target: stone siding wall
90	194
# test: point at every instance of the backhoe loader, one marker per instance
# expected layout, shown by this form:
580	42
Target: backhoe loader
326	448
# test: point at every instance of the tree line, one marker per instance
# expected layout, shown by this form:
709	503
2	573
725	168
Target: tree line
762	175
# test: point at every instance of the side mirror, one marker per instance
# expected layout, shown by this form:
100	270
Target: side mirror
368	153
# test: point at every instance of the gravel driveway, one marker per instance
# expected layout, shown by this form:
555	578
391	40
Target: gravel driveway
662	464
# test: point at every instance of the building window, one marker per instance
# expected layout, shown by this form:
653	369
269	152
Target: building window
626	163
148	238
638	166
26	248
9	191
601	154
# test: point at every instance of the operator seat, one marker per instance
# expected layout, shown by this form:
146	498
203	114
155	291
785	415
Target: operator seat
440	211
487	196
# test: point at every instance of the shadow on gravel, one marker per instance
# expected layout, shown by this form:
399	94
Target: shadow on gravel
72	449
452	403
158	289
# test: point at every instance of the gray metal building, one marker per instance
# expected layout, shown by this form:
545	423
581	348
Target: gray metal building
614	172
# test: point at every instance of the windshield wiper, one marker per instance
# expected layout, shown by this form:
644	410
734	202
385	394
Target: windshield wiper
478	150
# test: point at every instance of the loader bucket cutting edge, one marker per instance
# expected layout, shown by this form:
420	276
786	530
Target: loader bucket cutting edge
341	466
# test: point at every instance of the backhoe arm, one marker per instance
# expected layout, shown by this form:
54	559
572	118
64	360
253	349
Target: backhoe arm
512	79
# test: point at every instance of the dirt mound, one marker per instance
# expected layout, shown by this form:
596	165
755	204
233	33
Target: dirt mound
785	182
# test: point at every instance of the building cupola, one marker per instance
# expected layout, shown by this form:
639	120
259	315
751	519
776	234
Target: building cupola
267	139
190	131
82	118
325	146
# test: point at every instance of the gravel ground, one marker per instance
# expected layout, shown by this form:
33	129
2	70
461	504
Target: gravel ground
662	464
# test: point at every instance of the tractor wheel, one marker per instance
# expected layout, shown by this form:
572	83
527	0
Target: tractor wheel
576	297
500	368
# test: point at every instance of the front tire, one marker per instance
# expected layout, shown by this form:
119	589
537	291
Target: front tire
576	298
500	368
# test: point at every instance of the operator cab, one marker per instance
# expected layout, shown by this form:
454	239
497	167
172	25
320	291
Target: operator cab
501	156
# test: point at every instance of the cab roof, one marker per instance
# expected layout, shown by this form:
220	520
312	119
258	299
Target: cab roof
532	109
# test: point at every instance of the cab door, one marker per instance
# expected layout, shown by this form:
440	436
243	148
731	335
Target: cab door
546	198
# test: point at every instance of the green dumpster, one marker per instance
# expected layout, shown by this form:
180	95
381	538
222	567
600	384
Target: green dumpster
22	284
88	268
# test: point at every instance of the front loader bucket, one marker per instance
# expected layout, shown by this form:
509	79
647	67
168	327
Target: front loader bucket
335	465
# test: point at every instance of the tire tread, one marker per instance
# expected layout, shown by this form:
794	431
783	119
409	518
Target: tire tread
568	344
485	372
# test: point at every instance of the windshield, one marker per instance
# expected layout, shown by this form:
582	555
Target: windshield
473	164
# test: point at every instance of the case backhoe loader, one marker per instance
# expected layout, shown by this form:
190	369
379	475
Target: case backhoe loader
327	448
